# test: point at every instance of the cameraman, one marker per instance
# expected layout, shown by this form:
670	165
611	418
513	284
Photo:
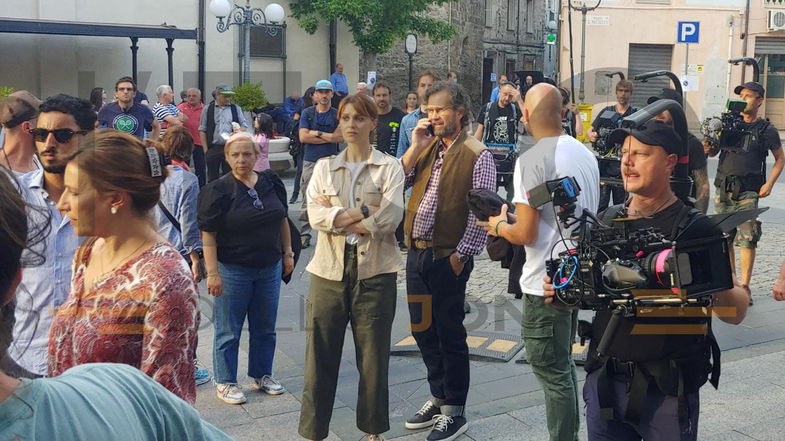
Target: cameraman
623	108
648	389
548	332
741	177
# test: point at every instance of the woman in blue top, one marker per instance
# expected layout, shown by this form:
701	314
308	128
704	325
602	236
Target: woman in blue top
93	401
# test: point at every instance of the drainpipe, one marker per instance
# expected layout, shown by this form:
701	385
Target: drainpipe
200	49
730	52
333	42
746	35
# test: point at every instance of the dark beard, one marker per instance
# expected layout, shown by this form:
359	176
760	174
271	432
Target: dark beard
54	169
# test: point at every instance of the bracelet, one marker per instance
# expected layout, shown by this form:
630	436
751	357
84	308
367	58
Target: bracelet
214	275
496	228
288	254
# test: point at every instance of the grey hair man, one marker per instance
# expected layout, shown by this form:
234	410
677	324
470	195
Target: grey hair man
167	114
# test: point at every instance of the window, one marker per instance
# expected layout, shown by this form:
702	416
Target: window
488	13
529	16
512	14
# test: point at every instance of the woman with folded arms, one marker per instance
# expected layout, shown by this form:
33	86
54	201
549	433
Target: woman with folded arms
355	202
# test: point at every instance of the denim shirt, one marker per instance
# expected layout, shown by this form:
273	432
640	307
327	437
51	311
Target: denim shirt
45	286
408	123
179	194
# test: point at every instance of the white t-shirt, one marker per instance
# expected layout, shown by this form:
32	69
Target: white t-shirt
553	158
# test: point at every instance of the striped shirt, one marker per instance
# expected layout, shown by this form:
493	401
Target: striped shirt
161	111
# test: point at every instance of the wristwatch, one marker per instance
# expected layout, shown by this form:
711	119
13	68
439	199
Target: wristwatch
319	134
364	210
463	258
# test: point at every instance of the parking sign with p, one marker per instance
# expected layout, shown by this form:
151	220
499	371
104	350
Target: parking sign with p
688	32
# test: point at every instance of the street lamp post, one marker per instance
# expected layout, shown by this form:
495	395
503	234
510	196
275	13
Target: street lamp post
584	10
410	48
247	17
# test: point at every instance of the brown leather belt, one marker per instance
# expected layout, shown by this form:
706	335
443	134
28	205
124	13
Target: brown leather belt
422	244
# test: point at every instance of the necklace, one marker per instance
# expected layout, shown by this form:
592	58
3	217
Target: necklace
112	267
641	213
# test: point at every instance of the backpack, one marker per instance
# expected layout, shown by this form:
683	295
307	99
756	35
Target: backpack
293	133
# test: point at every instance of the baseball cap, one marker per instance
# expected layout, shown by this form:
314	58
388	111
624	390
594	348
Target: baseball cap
18	107
323	85
652	132
666	94
224	89
753	86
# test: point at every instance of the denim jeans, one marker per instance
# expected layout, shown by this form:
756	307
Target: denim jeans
251	292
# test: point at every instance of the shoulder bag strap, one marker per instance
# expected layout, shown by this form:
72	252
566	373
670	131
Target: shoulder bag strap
169	216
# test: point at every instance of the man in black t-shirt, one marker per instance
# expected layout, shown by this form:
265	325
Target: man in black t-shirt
497	128
741	177
648	388
697	165
611	170
389	120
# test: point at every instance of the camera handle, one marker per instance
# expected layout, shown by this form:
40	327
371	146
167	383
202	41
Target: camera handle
610	334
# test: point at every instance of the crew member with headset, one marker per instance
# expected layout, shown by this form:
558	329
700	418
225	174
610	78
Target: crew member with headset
649	386
741	177
623	109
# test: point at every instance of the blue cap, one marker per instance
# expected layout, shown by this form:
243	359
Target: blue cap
323	85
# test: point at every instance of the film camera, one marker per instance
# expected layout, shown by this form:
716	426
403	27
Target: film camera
607	121
729	131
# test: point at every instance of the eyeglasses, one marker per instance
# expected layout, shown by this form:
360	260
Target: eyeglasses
61	135
257	203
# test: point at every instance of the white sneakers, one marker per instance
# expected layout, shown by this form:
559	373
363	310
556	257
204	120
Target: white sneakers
230	393
268	385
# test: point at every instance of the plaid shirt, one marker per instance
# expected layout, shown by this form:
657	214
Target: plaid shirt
483	176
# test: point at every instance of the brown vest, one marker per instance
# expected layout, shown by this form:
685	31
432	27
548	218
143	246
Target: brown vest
455	181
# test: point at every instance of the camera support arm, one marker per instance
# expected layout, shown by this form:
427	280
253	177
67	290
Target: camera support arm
749	62
618	72
681	182
661	73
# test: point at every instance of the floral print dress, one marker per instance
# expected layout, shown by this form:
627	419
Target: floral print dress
144	313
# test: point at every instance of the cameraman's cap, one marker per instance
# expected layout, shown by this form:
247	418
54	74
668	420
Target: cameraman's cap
666	94
652	132
224	89
753	86
323	85
17	108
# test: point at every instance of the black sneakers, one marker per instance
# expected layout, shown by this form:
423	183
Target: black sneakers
448	428
424	417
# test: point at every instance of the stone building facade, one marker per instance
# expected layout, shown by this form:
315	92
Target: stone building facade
489	39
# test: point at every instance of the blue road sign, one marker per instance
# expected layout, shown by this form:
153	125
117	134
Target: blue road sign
688	32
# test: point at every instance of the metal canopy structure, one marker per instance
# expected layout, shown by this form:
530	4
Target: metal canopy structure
87	29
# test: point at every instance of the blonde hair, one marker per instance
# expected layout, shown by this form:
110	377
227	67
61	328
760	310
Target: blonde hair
242	137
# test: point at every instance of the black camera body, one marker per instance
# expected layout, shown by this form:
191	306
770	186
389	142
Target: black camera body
611	267
606	122
729	131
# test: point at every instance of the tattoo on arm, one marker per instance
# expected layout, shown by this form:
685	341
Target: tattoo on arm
701	181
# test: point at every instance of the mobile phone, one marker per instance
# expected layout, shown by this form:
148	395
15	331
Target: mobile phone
430	130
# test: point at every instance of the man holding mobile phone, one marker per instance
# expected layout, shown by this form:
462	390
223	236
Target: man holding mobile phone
443	237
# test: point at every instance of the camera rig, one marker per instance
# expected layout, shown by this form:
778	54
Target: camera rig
729	131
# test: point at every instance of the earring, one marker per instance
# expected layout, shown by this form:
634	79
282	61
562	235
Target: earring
113	210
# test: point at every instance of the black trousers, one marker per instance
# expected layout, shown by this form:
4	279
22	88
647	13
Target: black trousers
435	295
298	165
216	165
199	165
619	196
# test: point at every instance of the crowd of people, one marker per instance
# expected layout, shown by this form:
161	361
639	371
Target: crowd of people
113	212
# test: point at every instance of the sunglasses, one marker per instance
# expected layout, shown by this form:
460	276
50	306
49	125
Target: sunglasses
257	203
61	135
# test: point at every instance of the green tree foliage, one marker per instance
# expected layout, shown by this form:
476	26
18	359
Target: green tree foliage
375	24
5	91
249	96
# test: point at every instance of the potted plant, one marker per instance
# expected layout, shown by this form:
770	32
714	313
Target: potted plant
249	96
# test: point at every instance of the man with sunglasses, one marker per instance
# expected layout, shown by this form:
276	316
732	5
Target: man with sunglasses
18	113
126	115
62	123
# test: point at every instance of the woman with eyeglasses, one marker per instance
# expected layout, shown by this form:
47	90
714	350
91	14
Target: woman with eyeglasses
133	299
247	248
